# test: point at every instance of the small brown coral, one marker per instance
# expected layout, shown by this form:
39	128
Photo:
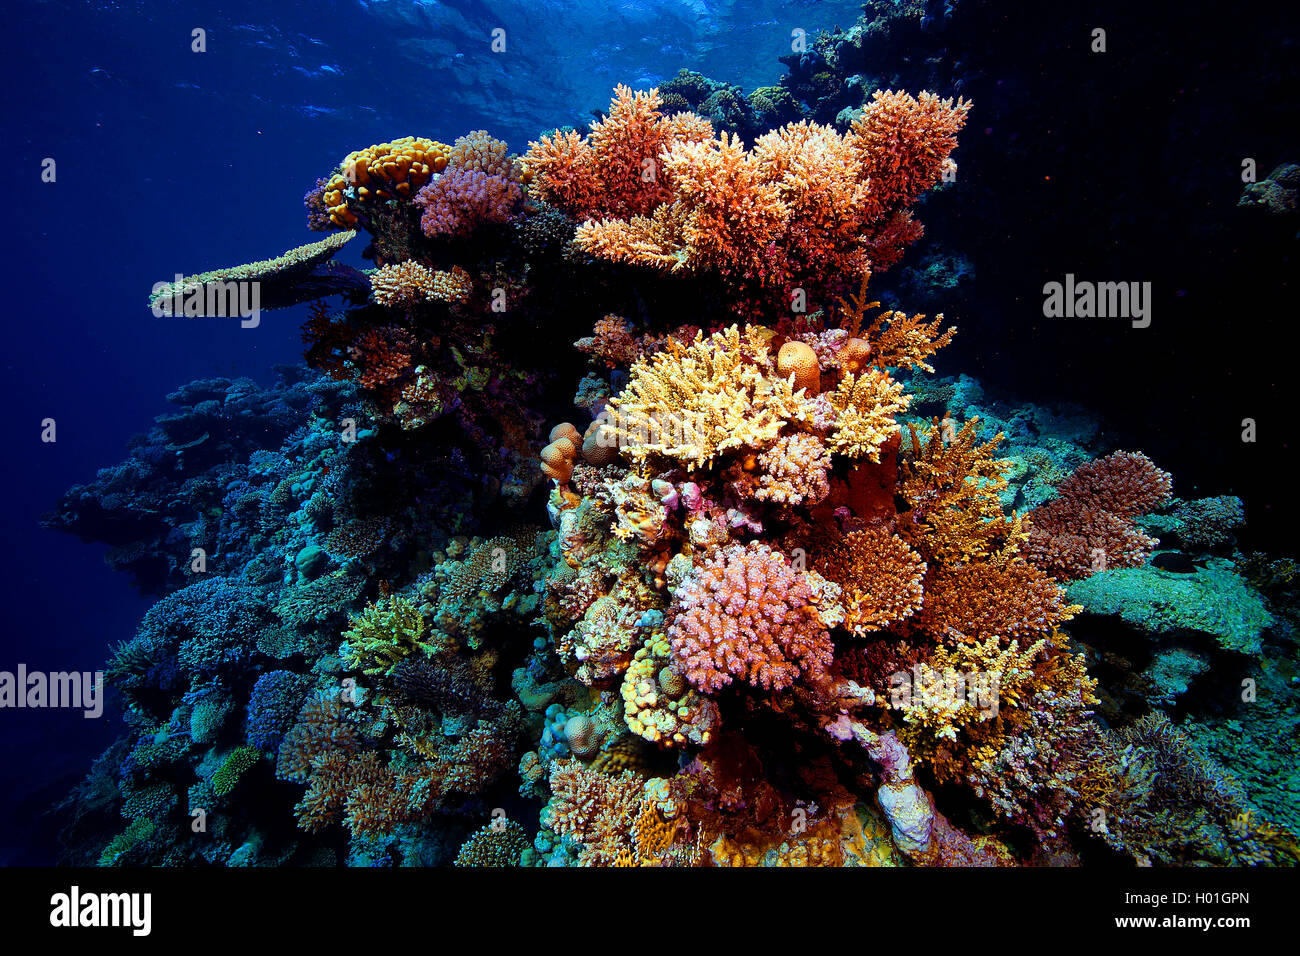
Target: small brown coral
799	359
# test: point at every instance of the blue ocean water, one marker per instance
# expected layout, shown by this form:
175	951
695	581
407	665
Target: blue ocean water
169	161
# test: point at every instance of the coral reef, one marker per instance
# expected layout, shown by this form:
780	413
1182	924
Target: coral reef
802	602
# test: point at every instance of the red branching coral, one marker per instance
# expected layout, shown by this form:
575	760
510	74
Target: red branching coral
978	601
806	206
382	355
1088	526
747	614
880	575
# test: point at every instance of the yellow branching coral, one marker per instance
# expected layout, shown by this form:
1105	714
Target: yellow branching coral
953	491
880	577
902	341
963	708
865	406
383	171
383	634
406	284
897	340
659	704
695	403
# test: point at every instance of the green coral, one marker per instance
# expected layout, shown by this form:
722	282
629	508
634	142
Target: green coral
383	634
228	774
139	830
1213	600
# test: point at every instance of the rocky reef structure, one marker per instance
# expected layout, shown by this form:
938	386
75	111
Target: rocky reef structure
801	602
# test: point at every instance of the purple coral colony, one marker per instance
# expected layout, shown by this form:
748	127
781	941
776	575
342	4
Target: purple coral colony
733	579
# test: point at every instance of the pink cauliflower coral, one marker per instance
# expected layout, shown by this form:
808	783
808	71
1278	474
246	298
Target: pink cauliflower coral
461	199
747	614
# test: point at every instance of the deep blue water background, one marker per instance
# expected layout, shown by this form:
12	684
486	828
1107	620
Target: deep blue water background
170	160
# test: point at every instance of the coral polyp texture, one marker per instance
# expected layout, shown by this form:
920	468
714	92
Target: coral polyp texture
764	591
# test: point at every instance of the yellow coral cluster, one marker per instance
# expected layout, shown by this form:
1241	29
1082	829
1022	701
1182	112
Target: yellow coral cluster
403	285
695	403
383	634
865	407
384	171
658	703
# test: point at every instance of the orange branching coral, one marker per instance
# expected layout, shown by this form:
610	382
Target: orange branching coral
735	215
384	171
806	202
616	171
879	574
322	728
1088	526
983	600
904	143
596	811
382	356
612	342
816	173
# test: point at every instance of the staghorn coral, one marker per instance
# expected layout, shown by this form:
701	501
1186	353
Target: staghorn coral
322	728
1009	599
806	198
500	843
594	810
383	634
614	171
880	577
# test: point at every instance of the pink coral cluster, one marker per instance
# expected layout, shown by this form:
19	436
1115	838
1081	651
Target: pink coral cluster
481	185
746	613
1088	527
460	200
